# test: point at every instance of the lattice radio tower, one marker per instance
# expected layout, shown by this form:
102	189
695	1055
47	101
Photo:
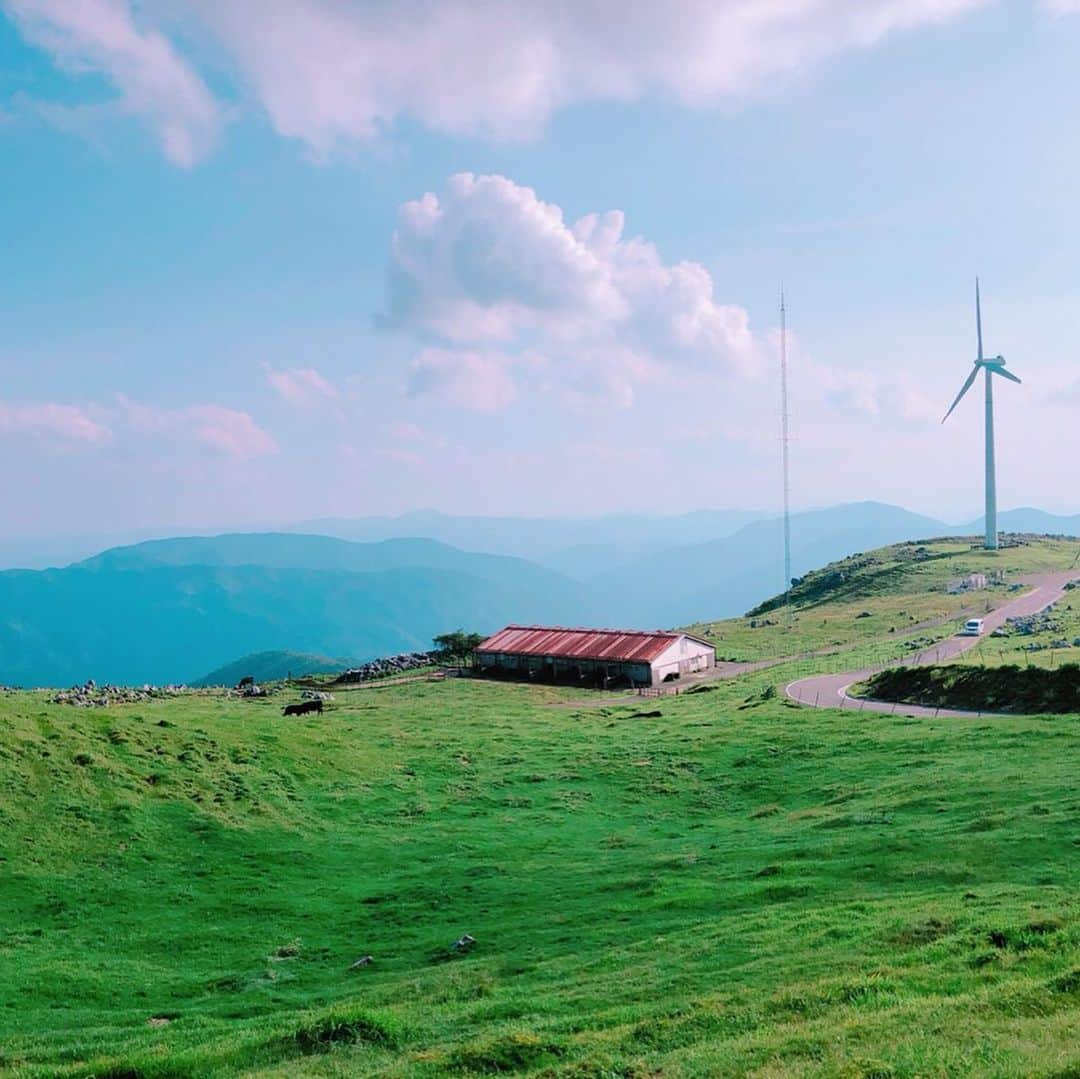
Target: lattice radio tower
785	441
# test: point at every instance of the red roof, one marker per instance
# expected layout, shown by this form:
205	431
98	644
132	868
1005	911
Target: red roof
613	644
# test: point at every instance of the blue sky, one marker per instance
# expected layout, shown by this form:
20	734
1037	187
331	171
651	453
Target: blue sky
329	262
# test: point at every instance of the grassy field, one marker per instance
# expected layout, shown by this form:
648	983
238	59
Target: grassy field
733	887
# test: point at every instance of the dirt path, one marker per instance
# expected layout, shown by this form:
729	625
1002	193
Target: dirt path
830	690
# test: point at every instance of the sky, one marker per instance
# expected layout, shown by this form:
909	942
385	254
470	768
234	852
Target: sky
264	263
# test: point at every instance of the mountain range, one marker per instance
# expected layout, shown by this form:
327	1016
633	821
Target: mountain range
172	610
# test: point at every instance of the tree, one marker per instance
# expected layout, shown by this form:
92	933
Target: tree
456	647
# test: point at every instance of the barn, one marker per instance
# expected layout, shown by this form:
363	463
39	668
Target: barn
598	657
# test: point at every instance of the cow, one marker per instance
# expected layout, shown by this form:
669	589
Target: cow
302	708
247	680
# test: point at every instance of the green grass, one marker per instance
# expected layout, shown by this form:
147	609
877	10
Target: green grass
736	887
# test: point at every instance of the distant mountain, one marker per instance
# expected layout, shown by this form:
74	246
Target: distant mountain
727	577
271	667
572	545
53	552
284	550
1027	519
172	610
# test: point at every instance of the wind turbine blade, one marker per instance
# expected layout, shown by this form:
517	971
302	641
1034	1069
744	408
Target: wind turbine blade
1004	374
978	316
963	389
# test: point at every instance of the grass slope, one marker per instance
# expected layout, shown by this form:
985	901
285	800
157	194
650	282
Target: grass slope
729	888
733	887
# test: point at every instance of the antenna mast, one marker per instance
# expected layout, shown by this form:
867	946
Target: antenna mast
784	442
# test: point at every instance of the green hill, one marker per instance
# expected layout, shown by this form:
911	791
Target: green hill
882	598
271	667
718	883
171	610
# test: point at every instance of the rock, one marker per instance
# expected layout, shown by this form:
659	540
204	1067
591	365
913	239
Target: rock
91	695
380	668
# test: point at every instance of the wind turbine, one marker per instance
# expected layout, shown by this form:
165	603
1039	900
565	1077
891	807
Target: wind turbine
993	365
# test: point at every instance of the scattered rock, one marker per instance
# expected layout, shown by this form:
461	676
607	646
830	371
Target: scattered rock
286	951
464	943
91	695
380	668
1042	622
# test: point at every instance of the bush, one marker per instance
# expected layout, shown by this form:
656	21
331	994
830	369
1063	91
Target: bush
321	1033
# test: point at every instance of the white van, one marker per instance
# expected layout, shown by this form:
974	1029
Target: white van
973	627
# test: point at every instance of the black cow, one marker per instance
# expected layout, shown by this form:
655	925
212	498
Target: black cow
302	708
247	680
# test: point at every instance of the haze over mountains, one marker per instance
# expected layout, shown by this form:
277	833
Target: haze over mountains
175	609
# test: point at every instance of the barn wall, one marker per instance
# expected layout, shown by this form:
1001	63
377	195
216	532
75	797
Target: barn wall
682	657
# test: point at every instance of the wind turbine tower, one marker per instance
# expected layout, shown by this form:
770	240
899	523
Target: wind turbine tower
990	366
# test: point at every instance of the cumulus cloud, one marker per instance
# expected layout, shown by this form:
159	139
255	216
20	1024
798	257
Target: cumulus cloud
487	264
66	423
338	73
226	431
154	83
303	387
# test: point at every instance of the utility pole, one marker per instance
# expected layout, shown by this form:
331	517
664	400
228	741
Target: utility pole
785	447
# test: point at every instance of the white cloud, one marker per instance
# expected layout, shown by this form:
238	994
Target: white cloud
154	82
331	72
226	431
860	392
66	423
473	380
340	73
488	264
303	387
88	121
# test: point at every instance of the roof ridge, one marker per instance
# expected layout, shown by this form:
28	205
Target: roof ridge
590	629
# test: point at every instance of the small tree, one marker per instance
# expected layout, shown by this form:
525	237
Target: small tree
456	647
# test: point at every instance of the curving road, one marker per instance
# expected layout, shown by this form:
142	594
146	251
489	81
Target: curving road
830	690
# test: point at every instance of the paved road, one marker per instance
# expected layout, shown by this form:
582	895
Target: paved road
830	690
